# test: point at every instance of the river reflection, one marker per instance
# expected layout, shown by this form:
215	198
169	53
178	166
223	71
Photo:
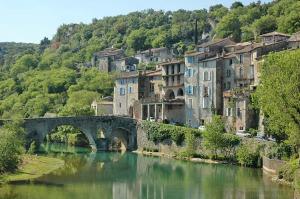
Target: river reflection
129	176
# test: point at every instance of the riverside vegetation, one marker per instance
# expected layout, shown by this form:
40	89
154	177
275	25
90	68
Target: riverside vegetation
17	163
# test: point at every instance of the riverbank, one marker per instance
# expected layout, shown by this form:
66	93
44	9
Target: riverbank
32	167
196	160
272	177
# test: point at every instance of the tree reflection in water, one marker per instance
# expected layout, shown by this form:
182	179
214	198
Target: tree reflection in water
131	176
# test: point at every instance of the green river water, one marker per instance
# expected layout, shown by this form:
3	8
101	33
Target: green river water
106	175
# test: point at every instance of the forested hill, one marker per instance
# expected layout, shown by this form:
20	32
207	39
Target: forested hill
52	78
10	51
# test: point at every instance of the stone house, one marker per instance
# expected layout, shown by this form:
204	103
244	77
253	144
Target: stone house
294	41
274	37
103	107
127	91
203	82
103	60
238	112
164	98
155	55
125	64
241	76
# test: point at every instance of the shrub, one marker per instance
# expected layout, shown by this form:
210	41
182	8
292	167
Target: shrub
216	139
10	151
158	132
11	146
229	144
287	172
280	151
248	154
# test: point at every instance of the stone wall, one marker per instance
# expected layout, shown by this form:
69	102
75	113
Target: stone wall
272	166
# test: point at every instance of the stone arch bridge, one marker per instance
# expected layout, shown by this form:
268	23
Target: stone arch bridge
110	127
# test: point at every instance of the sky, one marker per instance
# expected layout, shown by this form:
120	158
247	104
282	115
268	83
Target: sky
32	20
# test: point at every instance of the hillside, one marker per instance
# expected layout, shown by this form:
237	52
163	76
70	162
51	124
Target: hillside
53	77
10	51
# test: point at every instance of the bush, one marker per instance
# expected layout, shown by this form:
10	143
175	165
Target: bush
280	151
10	151
11	145
158	132
287	172
248	154
216	139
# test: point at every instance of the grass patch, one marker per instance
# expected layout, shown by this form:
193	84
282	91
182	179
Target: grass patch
297	180
32	167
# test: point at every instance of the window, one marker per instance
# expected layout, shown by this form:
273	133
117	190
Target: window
190	59
206	91
251	71
120	105
205	102
200	49
178	79
122	91
122	81
190	103
133	80
178	68
228	73
207	76
190	90
173	69
241	72
241	58
228	85
228	112
189	72
238	112
130	90
230	62
151	87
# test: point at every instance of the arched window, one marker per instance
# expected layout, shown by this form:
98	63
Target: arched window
180	92
170	94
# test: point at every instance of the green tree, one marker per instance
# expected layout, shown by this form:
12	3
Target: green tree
278	95
264	25
136	40
229	26
236	4
213	135
11	146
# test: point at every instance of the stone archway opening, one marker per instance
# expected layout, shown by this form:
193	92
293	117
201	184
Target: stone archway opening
170	94
101	140
68	135
119	140
180	92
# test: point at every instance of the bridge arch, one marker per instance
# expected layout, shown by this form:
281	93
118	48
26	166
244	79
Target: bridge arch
83	131
123	128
